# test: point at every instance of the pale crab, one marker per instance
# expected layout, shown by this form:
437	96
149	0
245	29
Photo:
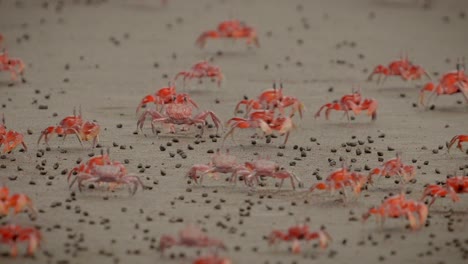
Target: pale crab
178	114
220	163
111	174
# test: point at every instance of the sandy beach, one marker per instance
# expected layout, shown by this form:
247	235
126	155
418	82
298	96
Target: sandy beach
105	56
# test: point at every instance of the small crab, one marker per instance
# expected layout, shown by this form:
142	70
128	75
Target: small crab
453	186
267	168
111	174
202	69
166	95
459	139
178	114
298	233
351	102
340	179
398	206
190	236
13	65
231	29
18	202
220	163
451	83
14	234
10	138
402	67
74	124
394	167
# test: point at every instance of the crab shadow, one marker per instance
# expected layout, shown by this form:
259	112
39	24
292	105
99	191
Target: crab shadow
231	53
6	84
452	109
396	89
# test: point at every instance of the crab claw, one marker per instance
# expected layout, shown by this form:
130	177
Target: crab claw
201	40
147	99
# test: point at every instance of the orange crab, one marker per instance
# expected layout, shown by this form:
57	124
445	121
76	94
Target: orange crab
233	29
190	236
340	179
398	206
351	102
13	234
451	83
166	95
18	202
458	138
10	138
74	124
202	69
212	259
402	67
394	167
298	233
13	65
452	186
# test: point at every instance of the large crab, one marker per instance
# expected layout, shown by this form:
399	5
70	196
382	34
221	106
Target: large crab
451	83
178	114
202	69
190	236
231	29
73	124
398	206
10	138
351	102
220	163
13	65
14	234
166	95
298	233
252	171
18	202
394	167
452	186
402	68
111	174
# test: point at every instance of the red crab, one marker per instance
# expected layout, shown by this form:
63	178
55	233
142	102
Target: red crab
402	67
190	236
10	138
178	114
202	69
298	233
18	202
453	185
340	179
451	83
13	234
232	29
458	138
266	168
394	167
351	102
398	206
74	124
220	163
265	120
212	259
111	173
166	95
13	65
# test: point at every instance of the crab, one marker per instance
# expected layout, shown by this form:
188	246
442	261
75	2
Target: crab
13	234
110	173
451	83
178	114
298	233
265	120
13	65
202	69
233	29
453	186
394	167
73	124
18	202
340	179
10	138
220	163
398	206
351	102
266	168
458	138
212	259
190	236
166	95
402	67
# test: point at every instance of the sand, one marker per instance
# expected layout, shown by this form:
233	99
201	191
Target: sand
106	56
